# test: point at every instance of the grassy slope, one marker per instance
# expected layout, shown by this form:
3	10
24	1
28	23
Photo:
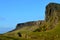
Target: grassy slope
53	34
3	37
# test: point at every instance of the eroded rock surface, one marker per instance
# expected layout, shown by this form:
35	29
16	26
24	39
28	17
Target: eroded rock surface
52	17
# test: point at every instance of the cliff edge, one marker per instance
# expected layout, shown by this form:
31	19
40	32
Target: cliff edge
52	17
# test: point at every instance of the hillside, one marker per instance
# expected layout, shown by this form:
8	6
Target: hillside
48	29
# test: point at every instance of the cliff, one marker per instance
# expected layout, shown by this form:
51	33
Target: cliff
31	26
52	17
38	30
52	14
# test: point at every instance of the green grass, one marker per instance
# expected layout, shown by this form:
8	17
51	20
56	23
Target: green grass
53	34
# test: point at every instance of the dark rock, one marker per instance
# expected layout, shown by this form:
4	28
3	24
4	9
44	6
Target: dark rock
31	23
52	17
19	34
52	14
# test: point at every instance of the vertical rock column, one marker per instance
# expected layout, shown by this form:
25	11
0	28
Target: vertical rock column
52	15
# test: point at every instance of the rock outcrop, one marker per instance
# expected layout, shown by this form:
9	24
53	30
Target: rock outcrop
52	14
52	17
31	23
34	29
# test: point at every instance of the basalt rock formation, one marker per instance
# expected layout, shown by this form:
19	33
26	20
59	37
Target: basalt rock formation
52	17
52	14
31	25
34	29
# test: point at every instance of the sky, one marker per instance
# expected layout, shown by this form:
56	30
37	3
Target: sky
13	12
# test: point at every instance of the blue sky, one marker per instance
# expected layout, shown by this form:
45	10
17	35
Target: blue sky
13	12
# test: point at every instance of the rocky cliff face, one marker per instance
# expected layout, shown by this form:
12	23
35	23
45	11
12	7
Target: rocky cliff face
31	23
52	16
31	26
52	12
